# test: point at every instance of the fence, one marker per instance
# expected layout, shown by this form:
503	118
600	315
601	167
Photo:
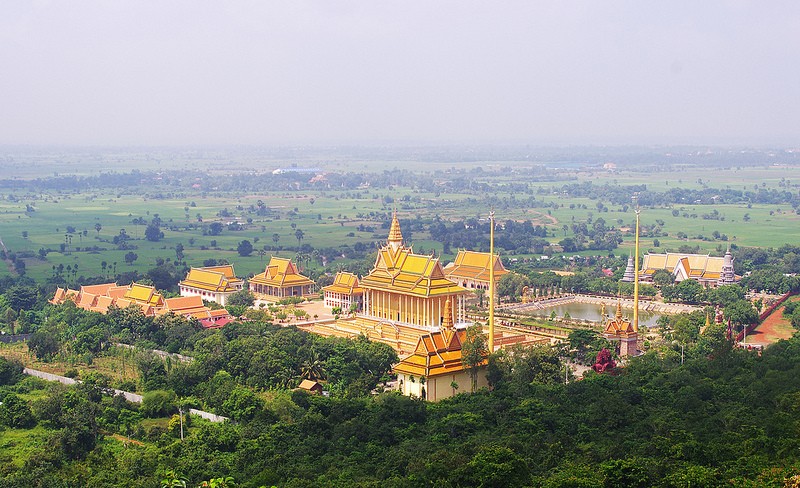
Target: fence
131	397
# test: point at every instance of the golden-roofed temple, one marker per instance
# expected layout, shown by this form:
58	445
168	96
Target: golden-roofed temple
212	283
343	292
280	280
622	330
705	269
435	369
409	289
471	269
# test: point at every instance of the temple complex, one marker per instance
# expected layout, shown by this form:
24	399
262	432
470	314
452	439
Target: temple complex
470	269
343	292
707	270
435	369
212	283
280	280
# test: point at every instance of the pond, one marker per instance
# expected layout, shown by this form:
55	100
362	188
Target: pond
591	311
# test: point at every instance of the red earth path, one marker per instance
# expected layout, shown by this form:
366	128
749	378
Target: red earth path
772	329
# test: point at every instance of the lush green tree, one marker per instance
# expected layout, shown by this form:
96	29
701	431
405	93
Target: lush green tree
510	285
22	297
10	371
725	295
474	351
158	403
663	277
242	297
44	343
245	248
741	313
15	412
153	233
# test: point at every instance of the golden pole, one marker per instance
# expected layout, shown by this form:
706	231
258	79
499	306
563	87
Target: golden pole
491	282
636	270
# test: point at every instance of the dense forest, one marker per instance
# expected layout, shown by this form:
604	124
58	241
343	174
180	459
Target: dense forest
726	418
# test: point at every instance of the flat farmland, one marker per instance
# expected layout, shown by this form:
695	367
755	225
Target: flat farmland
78	228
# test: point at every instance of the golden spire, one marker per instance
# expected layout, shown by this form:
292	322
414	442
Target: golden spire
602	310
395	236
708	319
447	320
619	310
636	268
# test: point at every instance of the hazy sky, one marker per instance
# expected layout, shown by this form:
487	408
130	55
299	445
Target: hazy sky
557	72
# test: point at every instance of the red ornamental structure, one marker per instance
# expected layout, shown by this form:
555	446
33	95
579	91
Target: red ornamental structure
604	362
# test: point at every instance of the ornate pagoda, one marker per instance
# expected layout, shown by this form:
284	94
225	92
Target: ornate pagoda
409	289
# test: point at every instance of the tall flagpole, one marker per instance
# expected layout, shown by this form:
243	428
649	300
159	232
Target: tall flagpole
491	282
636	269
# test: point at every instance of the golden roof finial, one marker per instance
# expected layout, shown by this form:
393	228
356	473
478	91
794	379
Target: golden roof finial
447	320
619	309
395	236
602	310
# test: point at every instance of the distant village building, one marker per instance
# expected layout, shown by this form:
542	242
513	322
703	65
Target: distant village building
435	369
212	283
343	292
280	280
706	270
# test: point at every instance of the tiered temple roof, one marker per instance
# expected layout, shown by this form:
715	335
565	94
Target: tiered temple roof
699	267
473	265
281	272
410	274
213	278
345	283
437	353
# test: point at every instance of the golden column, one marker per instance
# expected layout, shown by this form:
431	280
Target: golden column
636	268
491	282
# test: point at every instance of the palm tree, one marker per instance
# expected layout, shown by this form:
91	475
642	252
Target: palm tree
313	368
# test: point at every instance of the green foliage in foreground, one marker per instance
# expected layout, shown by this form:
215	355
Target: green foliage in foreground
728	419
